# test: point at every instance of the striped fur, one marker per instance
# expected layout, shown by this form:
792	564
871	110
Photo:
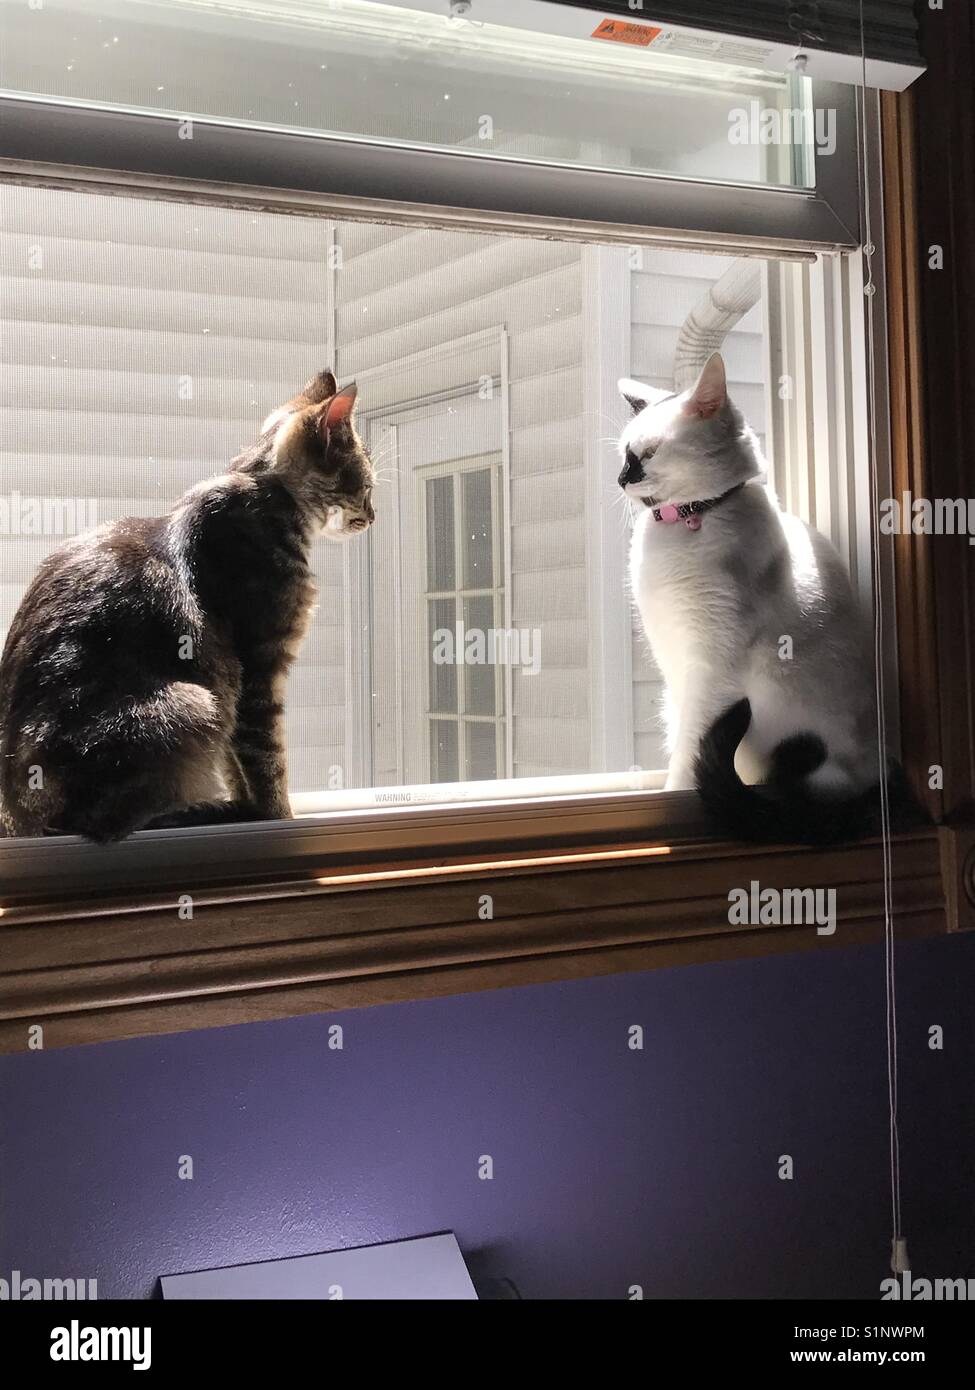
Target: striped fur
143	677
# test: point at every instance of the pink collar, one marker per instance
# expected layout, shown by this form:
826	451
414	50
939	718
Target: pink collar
689	513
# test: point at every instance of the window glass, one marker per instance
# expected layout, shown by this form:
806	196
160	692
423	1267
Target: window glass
440	534
142	343
480	674
394	73
482	751
477	536
443	673
444	765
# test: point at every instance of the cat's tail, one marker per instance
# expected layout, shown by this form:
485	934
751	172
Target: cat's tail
783	810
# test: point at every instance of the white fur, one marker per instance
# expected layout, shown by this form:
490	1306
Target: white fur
717	602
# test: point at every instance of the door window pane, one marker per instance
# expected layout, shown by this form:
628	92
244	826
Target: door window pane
443	751
480	675
440	534
481	751
477	532
443	671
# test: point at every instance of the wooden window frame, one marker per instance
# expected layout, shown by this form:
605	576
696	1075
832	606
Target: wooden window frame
259	922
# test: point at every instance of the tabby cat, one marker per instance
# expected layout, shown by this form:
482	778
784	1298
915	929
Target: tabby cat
142	680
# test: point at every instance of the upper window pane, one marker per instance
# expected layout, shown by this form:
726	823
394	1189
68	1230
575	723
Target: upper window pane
390	72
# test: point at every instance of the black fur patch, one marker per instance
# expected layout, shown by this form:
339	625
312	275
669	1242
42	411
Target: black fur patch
784	811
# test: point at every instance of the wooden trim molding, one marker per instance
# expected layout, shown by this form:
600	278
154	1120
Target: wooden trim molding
913	558
958	875
373	935
929	195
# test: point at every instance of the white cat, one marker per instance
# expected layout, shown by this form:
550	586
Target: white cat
752	620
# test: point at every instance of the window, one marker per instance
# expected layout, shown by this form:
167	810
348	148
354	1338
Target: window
457	642
411	73
194	219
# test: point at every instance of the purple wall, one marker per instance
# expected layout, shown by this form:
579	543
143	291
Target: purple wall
612	1167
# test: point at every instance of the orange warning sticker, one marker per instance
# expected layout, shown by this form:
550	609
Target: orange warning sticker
622	31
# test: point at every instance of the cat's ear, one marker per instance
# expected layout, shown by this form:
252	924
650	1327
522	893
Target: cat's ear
711	391
639	395
320	388
339	409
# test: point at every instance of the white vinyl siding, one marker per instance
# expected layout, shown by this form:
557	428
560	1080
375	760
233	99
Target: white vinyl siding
142	345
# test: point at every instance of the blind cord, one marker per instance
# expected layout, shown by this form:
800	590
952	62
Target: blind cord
899	1261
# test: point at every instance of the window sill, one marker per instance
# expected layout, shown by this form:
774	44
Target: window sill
349	910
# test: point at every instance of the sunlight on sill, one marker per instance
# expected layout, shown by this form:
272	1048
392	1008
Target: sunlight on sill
543	861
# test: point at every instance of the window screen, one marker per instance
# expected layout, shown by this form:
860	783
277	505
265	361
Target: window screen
143	343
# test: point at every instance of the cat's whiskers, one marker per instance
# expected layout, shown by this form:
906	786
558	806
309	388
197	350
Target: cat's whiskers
616	425
383	453
625	510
